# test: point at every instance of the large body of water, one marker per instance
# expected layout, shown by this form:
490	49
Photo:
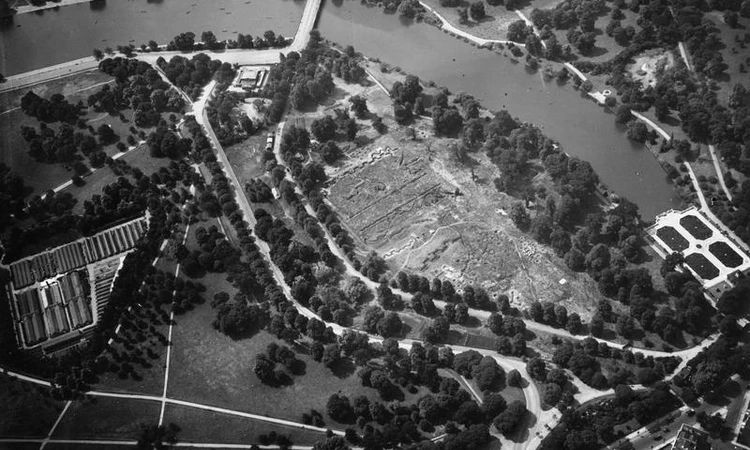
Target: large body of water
51	36
582	127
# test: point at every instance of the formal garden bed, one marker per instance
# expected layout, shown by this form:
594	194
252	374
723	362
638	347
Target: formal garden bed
724	253
702	266
672	238
696	227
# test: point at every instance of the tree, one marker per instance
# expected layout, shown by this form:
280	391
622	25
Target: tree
463	14
98	54
488	374
509	420
476	10
437	331
324	129
330	152
264	369
520	216
389	325
447	121
494	404
552	394
339	408
209	40
517	31
359	106
515	379
537	368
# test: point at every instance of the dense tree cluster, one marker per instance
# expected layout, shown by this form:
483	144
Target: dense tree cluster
230	127
713	366
277	365
185	42
593	426
583	359
556	316
191	75
472	296
138	87
309	178
56	109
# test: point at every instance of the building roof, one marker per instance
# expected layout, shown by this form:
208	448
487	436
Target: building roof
690	438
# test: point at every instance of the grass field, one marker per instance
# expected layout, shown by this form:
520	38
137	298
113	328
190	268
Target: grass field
211	368
106	418
205	426
41	176
14	150
24	412
734	54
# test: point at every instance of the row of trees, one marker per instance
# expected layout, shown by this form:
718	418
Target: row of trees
185	42
56	109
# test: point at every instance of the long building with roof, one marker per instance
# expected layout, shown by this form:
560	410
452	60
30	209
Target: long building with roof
58	294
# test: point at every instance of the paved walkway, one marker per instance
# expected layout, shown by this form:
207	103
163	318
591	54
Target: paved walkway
719	172
447	26
652	124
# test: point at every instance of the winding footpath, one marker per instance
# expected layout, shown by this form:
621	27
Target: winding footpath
447	26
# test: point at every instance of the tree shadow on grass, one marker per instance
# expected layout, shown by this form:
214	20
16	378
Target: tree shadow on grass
343	368
298	367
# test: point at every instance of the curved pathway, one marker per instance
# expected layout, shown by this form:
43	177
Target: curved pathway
447	26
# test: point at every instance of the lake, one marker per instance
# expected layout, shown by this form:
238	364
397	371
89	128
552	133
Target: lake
582	127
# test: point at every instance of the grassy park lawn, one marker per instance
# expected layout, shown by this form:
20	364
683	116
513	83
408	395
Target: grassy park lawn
14	149
734	54
106	418
211	368
245	157
149	378
14	154
24	411
197	425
